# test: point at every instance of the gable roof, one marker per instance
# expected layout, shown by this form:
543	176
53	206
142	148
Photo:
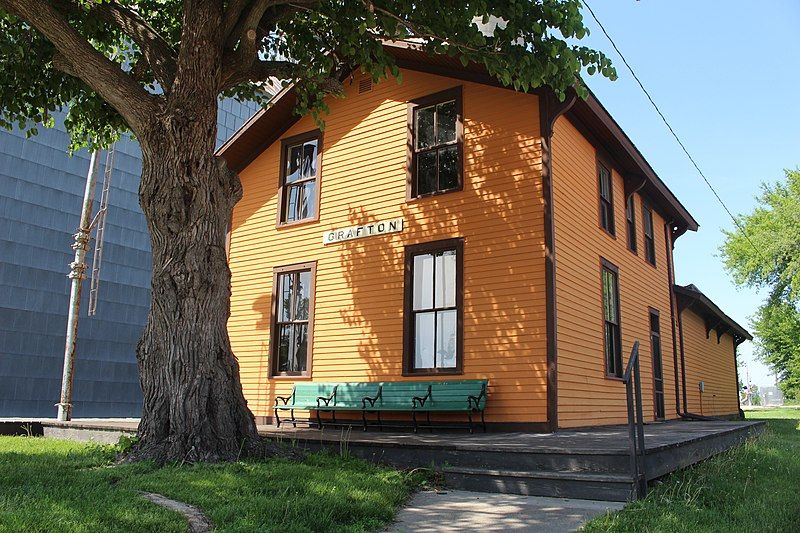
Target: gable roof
267	125
691	296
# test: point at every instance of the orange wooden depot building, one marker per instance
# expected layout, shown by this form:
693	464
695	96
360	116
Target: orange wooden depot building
446	227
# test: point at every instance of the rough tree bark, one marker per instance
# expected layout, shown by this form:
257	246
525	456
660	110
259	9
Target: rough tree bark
194	408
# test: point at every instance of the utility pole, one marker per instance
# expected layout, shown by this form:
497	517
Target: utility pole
76	274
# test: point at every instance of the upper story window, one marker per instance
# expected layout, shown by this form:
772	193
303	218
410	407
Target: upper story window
606	188
611	319
299	183
649	235
434	307
630	219
293	316
436	141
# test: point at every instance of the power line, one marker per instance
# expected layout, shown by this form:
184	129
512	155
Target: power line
672	131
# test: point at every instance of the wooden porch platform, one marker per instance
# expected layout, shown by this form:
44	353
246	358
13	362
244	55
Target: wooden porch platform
588	463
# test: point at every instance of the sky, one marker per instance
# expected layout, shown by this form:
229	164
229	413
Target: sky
726	74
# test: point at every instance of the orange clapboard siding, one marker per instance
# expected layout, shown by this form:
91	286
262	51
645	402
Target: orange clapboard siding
358	331
585	395
712	363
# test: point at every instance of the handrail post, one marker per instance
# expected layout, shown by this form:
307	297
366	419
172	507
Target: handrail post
633	397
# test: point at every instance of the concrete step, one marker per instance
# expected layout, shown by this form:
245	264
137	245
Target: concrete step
582	485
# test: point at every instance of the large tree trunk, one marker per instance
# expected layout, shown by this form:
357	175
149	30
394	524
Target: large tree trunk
194	408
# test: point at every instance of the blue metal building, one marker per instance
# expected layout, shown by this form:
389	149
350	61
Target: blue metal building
41	190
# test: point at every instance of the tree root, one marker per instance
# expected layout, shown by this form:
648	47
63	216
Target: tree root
198	522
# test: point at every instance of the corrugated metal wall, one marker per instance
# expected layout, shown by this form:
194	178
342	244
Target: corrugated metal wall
40	198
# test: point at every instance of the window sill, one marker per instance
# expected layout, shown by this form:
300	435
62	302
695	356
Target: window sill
284	377
444	372
614	378
612	235
421	197
305	221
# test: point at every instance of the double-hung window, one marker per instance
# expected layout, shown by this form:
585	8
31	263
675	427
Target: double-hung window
606	188
630	219
293	312
433	307
611	319
649	235
299	183
436	143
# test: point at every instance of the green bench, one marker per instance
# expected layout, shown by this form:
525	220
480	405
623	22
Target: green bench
427	397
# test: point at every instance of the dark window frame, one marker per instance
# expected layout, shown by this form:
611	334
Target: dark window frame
649	240
454	93
310	266
616	373
286	143
630	223
603	203
410	252
654	313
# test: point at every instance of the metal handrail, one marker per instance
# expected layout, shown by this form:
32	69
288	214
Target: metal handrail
633	393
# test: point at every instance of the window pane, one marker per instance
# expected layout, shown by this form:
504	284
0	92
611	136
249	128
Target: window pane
302	293
309	164
446	122
299	354
294	160
648	223
445	286
423	282
605	184
426	172
284	341
446	339
300	201
285	297
424	340
448	168
609	296
425	135
305	203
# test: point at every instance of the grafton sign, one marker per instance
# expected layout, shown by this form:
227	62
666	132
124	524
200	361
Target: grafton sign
359	232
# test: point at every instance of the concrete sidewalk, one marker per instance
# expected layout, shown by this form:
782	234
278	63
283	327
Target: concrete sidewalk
456	510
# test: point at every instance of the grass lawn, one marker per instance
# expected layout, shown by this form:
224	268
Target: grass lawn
52	485
755	487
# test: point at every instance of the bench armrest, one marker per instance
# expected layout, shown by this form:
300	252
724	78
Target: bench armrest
328	399
421	399
284	399
371	400
477	399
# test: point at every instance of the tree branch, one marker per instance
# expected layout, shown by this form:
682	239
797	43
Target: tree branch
261	71
77	57
156	50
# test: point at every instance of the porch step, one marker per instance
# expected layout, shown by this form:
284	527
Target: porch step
580	485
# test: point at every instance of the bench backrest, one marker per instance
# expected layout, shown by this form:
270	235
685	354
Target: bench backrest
454	394
352	394
307	393
398	394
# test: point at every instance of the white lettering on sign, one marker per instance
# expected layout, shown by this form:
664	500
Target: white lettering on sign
359	232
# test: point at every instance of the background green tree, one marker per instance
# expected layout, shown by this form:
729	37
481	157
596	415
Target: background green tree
772	262
158	67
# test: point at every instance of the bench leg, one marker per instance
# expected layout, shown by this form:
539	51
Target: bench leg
483	422
294	421
414	420
319	420
380	422
469	416
333	417
364	418
277	418
428	417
